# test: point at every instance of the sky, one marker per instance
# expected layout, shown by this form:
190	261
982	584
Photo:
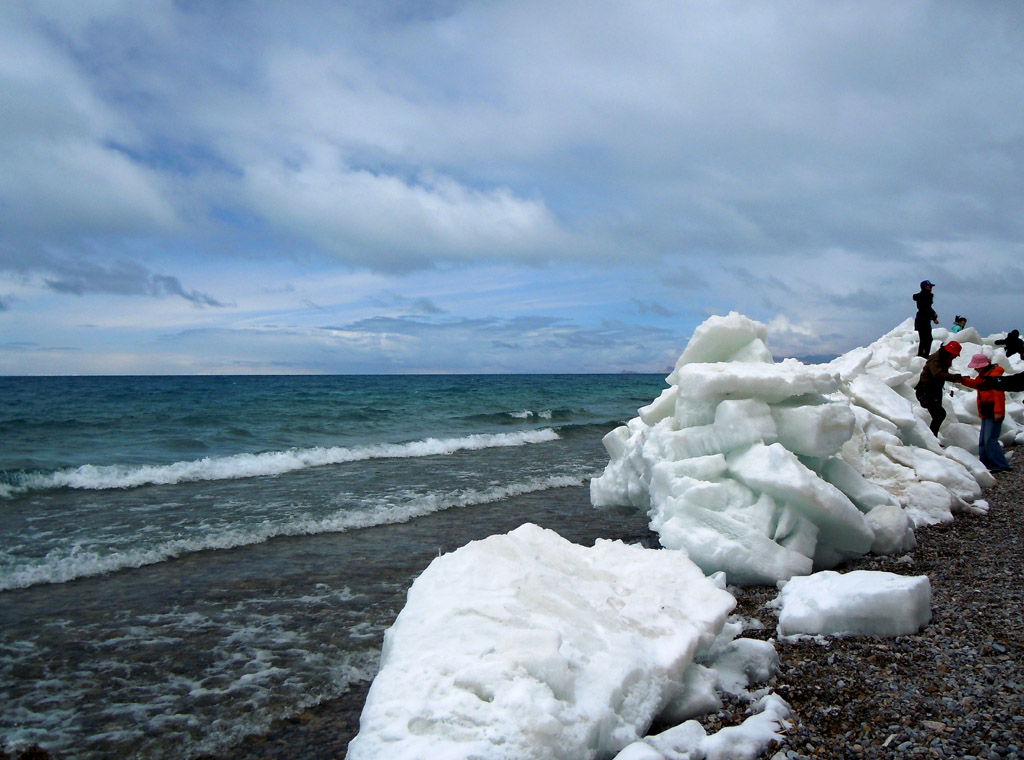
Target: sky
375	186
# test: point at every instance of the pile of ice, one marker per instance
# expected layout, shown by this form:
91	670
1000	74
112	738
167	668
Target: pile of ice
525	645
769	470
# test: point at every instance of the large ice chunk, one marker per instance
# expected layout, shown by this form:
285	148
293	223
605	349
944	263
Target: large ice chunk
815	430
737	423
894	531
861	602
862	492
720	339
769	382
715	541
776	471
525	645
875	395
939	469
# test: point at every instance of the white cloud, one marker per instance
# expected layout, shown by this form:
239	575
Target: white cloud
384	221
58	167
805	161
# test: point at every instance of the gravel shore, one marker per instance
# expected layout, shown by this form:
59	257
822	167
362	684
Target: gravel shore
954	690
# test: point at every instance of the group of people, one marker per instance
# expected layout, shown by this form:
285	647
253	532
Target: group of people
990	382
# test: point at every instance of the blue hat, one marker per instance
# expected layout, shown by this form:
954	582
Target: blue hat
929	283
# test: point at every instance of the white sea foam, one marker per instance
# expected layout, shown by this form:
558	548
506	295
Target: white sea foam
60	567
93	477
252	680
525	414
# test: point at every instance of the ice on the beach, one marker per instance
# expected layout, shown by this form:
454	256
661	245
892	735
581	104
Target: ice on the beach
689	740
525	645
766	470
757	472
861	602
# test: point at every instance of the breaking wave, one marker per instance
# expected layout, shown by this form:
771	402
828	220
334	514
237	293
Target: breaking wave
77	562
236	466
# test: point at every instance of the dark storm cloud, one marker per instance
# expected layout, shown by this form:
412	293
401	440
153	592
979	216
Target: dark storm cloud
79	276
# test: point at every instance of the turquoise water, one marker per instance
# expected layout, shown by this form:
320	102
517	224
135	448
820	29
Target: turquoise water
183	559
49	423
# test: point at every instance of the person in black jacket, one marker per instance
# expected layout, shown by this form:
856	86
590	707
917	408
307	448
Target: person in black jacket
925	317
1008	383
1012	344
933	378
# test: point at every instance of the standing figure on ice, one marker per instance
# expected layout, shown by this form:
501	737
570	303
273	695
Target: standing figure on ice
925	317
992	410
933	378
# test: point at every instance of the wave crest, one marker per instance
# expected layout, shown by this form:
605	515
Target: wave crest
76	562
237	466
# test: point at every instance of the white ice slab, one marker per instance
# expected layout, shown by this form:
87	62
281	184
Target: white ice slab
861	602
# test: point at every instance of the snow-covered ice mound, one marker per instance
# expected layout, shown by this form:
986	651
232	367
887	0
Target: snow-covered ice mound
766	470
525	645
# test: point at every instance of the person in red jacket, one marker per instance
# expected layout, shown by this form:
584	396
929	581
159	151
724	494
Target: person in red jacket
992	410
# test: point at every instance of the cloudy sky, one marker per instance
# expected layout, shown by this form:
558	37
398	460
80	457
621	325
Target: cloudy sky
497	185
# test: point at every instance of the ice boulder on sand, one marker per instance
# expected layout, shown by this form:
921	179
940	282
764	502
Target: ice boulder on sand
857	603
525	645
767	470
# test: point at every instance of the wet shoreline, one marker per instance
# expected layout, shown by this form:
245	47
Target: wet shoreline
952	690
324	730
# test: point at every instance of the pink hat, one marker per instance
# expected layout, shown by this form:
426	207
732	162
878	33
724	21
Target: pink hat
979	360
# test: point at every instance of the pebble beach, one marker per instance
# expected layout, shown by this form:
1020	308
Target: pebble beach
953	690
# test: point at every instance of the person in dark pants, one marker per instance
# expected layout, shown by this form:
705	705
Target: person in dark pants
933	378
925	317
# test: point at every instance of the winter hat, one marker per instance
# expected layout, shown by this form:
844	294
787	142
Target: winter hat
953	347
979	360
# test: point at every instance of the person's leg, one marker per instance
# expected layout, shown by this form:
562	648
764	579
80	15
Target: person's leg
984	438
925	335
938	414
993	458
